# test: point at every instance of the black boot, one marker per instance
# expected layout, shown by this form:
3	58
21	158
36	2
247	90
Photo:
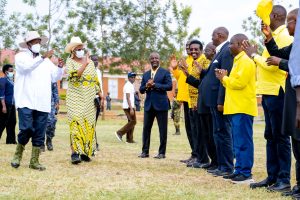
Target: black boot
49	144
177	131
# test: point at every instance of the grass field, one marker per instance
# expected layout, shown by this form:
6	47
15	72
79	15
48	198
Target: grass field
117	173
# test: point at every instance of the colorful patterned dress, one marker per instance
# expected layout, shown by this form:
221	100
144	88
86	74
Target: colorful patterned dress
193	71
80	107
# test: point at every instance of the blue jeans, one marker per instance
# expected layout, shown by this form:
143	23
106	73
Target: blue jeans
223	140
32	124
242	133
278	143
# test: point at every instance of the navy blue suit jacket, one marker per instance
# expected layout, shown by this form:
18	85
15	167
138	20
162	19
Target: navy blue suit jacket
157	96
211	91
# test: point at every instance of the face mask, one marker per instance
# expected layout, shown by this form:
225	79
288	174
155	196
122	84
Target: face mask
36	48
79	54
10	75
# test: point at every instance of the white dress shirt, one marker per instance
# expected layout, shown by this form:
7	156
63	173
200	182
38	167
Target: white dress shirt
33	81
218	48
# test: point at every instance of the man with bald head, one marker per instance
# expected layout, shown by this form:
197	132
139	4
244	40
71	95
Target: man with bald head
210	106
271	85
155	83
241	106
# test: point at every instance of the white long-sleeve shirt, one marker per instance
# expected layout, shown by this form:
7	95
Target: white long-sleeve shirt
33	81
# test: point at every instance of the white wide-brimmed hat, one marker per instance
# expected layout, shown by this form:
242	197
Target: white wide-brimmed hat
31	35
75	41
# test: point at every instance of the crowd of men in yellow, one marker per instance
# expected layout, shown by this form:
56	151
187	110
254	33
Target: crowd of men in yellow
218	86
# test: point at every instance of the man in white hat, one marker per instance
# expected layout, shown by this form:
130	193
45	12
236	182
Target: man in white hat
34	74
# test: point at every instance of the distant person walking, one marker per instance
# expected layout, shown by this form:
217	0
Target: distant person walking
128	107
137	101
108	102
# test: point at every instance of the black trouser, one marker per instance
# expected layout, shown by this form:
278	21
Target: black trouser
8	121
97	113
296	151
223	140
162	120
278	143
207	130
198	137
188	127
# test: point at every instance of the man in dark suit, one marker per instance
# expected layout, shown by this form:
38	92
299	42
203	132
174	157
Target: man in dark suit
155	83
211	100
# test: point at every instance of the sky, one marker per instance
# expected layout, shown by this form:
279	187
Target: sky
206	14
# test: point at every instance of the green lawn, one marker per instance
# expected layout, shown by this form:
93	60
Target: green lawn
117	173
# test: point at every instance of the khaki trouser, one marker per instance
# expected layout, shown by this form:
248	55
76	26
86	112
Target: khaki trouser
129	127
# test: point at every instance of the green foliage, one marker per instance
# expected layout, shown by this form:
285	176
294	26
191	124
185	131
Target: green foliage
129	30
6	61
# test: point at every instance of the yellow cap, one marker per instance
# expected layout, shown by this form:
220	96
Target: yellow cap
263	10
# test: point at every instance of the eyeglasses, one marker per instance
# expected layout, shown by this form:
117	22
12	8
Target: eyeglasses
80	49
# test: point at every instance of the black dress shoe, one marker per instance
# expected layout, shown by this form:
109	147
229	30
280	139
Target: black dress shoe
144	155
221	173
75	158
280	187
205	165
85	158
212	167
230	176
197	164
191	161
212	171
187	160
294	191
264	183
160	156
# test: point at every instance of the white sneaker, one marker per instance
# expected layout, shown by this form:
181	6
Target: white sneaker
118	137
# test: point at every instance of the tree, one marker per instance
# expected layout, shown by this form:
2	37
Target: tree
9	27
182	17
50	24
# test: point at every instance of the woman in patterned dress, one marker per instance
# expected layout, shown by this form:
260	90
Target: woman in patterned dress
83	85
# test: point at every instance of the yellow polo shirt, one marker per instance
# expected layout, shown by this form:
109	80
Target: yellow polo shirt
271	78
183	94
240	95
